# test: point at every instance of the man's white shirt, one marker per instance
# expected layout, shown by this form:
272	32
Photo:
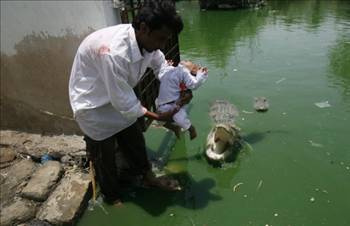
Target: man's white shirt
106	68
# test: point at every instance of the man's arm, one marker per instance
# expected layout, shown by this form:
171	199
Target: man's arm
165	116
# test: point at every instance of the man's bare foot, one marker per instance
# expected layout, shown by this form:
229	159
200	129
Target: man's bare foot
117	203
162	182
193	133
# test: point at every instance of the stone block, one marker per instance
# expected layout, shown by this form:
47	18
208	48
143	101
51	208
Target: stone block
19	211
43	179
67	201
13	177
6	154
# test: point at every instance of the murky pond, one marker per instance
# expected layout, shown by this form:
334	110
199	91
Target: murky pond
296	170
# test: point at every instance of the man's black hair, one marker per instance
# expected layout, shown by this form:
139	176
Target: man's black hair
158	13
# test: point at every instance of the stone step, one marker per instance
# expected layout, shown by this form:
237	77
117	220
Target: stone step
19	211
12	177
67	201
43	179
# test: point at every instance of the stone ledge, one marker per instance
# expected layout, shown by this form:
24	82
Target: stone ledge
20	211
42	181
12	177
67	201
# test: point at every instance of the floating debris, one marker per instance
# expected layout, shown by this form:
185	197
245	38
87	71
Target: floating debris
98	202
236	186
314	144
171	214
245	196
259	185
281	80
276	214
312	199
247	112
235	70
323	104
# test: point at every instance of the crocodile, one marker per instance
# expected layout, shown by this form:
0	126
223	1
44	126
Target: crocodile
261	104
225	133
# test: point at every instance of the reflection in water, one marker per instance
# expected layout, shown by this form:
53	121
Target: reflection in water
339	61
230	27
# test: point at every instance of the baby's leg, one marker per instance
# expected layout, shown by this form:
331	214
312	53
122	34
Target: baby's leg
182	120
169	125
176	129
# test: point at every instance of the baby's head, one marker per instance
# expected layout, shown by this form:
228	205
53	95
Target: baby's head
190	66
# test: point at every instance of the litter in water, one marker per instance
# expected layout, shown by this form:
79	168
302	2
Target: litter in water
259	185
98	202
236	186
312	199
315	144
247	112
281	80
235	70
323	104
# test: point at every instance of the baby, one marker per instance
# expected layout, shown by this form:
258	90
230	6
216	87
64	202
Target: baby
175	88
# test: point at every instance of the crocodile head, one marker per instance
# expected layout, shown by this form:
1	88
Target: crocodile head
220	141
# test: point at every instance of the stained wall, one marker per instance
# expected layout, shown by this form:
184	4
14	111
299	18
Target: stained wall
38	43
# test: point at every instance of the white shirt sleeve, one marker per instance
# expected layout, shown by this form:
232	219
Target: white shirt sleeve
193	82
158	62
122	96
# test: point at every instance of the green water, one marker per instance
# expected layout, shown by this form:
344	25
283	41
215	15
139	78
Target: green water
297	171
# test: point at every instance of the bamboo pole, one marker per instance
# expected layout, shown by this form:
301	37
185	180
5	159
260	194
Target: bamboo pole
93	181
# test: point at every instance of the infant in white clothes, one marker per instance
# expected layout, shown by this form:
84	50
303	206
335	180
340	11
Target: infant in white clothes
175	88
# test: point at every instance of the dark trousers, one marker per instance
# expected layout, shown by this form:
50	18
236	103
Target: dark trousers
118	159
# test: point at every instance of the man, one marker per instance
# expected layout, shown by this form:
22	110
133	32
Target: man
108	65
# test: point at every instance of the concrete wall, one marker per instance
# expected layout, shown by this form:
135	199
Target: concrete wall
38	43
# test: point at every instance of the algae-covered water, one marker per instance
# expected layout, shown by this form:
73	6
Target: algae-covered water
296	169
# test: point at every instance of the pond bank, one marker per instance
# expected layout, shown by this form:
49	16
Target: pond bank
43	179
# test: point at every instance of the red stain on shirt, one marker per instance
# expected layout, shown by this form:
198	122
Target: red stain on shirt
103	50
182	86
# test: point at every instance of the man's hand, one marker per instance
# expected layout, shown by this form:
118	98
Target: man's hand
165	116
185	98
